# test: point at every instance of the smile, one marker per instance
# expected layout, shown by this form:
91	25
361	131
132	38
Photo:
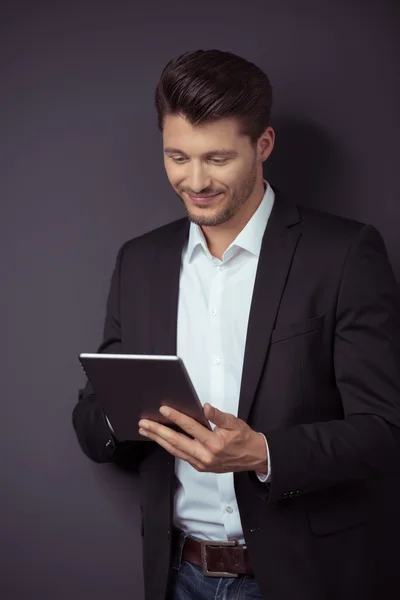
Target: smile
202	199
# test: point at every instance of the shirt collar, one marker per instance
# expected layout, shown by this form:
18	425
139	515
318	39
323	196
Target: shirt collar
250	238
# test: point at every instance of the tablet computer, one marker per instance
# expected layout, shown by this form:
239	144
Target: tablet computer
130	387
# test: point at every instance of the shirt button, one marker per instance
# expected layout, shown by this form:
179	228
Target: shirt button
217	361
229	509
220	268
214	312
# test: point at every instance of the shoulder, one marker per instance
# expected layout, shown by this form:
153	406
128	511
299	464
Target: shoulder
313	223
155	239
327	226
336	241
327	231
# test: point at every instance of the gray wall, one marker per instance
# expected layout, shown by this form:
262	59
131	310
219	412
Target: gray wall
81	171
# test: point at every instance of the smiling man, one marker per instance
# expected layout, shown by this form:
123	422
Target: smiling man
221	188
288	322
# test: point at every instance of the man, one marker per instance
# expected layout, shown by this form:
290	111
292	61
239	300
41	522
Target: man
288	321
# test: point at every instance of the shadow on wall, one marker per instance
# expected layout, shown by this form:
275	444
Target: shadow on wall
311	169
307	166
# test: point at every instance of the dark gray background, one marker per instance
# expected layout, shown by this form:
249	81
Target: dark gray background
82	171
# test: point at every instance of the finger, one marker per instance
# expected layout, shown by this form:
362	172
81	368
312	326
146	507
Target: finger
174	450
180	441
219	418
158	428
187	424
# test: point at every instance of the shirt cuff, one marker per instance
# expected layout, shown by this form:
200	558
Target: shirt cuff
265	477
109	424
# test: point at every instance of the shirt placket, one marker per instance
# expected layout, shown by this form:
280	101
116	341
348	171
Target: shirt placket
218	290
216	359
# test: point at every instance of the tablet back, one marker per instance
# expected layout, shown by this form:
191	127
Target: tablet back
134	386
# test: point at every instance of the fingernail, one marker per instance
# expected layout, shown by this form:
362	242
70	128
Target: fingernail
143	424
164	410
143	432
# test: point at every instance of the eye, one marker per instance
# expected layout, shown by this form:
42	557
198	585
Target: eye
179	160
218	161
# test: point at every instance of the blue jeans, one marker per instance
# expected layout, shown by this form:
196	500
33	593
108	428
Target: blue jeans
187	582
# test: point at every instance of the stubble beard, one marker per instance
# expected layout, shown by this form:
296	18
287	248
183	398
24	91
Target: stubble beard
238	199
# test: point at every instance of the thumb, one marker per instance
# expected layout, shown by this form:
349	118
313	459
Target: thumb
217	417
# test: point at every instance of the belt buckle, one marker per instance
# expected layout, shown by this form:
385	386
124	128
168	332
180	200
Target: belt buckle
203	549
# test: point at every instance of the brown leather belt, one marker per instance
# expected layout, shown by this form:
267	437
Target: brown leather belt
218	559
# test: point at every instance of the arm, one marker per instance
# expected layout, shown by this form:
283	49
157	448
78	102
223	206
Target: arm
366	443
94	434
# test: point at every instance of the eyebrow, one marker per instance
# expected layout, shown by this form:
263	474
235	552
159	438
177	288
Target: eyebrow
221	152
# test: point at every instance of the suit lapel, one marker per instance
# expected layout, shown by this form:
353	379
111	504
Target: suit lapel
164	291
277	250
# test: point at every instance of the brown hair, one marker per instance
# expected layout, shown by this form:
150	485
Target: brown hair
206	85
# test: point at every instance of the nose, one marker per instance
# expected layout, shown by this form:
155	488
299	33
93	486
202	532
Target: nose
197	180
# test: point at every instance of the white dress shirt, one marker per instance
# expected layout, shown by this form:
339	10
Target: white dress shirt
213	312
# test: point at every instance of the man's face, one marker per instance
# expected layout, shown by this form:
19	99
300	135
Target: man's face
211	160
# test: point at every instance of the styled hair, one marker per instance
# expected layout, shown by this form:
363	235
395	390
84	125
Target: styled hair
207	85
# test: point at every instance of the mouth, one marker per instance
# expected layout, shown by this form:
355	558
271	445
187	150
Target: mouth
202	199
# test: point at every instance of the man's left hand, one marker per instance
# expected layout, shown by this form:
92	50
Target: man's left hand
231	446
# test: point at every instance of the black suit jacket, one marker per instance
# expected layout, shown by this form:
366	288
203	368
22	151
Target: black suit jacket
321	380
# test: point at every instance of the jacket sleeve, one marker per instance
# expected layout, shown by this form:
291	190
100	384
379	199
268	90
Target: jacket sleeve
366	442
89	421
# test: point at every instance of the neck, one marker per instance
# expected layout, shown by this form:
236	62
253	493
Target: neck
220	237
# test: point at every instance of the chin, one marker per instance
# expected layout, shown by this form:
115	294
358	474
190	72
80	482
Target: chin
207	217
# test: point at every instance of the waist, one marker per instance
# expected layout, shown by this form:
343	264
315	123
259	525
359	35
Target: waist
219	558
